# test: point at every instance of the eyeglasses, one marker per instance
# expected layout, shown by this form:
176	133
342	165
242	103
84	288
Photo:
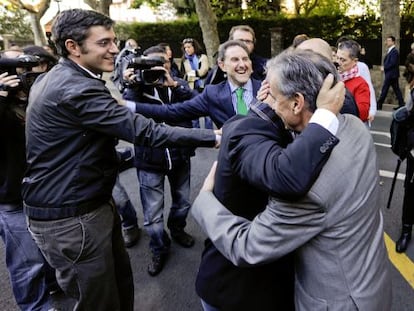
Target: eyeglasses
245	41
106	43
188	40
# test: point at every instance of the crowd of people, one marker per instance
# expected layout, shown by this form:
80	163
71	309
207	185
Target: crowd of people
283	127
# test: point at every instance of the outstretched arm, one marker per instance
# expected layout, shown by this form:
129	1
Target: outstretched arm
280	229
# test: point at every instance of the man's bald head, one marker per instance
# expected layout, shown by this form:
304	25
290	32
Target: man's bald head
317	45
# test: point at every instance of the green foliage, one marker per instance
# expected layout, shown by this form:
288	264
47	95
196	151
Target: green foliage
15	22
152	3
365	29
407	28
329	8
255	8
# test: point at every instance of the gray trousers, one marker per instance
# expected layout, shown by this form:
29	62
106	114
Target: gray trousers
90	259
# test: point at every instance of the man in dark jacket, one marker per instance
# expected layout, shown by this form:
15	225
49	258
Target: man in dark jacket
27	267
154	164
391	70
73	124
245	34
218	101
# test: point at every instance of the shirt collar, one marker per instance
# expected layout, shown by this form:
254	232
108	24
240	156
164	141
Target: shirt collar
248	86
98	76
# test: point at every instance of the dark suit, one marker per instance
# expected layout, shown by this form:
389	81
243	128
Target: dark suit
215	101
273	170
391	72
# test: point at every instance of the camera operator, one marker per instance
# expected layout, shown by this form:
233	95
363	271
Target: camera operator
156	86
29	272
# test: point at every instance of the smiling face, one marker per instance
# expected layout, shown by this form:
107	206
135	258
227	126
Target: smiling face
97	52
237	65
282	105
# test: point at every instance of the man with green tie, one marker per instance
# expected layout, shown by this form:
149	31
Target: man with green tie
218	101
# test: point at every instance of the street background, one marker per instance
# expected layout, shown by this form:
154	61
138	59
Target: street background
173	289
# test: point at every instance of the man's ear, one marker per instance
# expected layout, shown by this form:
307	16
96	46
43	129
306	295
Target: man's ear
298	103
221	65
72	47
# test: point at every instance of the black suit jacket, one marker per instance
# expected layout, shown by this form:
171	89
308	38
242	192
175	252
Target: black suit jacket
259	140
391	64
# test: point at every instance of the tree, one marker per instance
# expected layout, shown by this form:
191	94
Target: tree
390	17
208	24
35	13
14	21
101	6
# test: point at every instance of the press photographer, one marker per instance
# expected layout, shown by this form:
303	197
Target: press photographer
147	70
19	66
150	81
31	277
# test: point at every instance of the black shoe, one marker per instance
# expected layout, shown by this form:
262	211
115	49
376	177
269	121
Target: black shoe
131	236
402	243
182	238
156	264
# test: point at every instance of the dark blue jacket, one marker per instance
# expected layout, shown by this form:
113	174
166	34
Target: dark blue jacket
12	155
391	64
258	139
162	159
215	101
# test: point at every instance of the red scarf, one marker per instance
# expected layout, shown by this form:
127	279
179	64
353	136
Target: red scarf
349	74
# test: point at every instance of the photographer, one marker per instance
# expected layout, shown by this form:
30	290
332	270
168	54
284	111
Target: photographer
29	272
156	86
408	201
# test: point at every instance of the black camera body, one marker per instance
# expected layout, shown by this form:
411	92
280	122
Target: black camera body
26	78
144	72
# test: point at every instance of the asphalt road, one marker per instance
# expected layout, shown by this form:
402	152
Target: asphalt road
173	289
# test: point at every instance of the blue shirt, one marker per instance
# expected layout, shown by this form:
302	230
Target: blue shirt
247	95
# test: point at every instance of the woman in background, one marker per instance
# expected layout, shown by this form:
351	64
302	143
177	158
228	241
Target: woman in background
194	68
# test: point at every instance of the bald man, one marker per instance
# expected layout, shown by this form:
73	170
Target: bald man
322	47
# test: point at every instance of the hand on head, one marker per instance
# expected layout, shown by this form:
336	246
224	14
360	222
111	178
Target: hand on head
331	97
263	92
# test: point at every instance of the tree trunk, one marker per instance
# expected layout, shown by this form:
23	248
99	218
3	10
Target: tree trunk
390	16
101	6
208	24
38	33
36	12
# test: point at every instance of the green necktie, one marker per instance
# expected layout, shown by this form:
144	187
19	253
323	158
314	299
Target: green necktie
241	105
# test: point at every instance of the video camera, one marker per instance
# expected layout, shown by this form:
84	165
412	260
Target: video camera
143	68
27	77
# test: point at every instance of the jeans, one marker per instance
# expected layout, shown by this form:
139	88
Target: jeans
152	199
27	267
124	206
91	262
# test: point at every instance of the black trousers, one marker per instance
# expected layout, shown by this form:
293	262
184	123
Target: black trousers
408	203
